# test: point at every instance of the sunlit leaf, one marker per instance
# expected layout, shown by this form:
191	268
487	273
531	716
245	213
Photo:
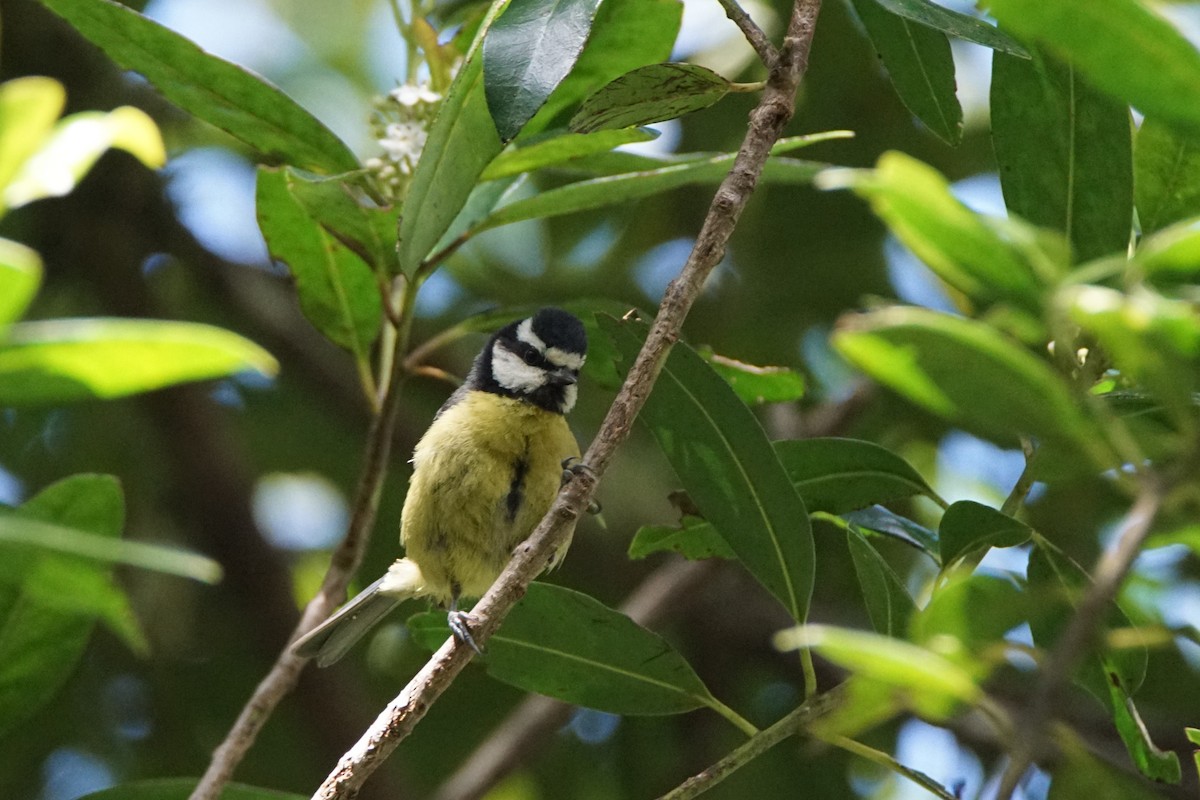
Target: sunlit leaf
20	276
650	94
558	149
693	538
1171	255
1166	175
182	788
756	385
60	361
961	26
968	526
968	615
838	475
28	108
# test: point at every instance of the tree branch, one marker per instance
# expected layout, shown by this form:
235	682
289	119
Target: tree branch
766	124
754	34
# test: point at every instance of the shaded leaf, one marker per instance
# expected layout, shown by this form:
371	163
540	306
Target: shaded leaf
1064	152
569	646
1166	175
368	230
20	276
753	384
527	53
1172	255
838	475
1079	774
953	23
181	789
889	605
974	611
693	539
558	149
885	522
61	361
921	68
968	526
225	95
650	94
728	468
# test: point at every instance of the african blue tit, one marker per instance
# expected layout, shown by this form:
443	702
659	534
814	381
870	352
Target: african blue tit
484	475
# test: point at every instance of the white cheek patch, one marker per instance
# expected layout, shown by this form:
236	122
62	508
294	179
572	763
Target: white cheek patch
570	393
511	372
525	334
564	358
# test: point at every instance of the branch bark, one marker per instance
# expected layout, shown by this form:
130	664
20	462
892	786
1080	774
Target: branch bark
766	125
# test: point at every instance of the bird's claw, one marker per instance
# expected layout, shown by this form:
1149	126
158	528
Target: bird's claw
572	466
458	622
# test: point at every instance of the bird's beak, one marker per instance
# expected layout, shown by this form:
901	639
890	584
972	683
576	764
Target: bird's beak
562	377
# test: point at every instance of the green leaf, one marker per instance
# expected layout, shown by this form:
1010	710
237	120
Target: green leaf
1064	153
626	34
571	647
527	53
919	63
962	248
1158	71
181	789
952	23
889	605
968	526
968	373
49	607
936	686
368	230
838	475
462	141
338	292
74	146
1080	775
756	385
885	522
694	539
1166	175
20	276
61	361
28	109
968	615
558	149
214	90
650	94
728	468
1172	255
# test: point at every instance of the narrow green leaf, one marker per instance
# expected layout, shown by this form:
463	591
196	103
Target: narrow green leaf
61	361
527	53
28	109
1193	735
889	605
571	647
338	292
920	65
626	34
182	788
838	475
693	539
886	522
482	201
650	94
20	276
1166	175
1064	152
225	95
953	23
968	526
753	384
462	141
728	468
367	230
1158	71
968	615
1172	255
558	149
969	374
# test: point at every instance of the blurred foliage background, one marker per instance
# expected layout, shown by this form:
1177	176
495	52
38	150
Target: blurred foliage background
256	473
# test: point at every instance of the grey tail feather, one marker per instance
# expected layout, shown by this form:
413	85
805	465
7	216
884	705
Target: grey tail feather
334	637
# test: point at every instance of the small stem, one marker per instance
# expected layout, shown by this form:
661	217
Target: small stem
738	721
756	86
754	34
886	761
810	672
1024	483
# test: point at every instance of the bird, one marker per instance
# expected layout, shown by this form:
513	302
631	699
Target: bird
484	474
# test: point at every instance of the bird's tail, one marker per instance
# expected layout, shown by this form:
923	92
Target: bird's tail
334	637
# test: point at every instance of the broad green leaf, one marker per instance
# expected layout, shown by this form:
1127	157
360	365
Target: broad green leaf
650	94
557	149
462	141
1064	152
1158	70
889	605
961	247
1079	774
838	475
181	789
337	290
968	615
1151	339
225	95
368	230
885	522
482	201
20	276
75	145
753	384
1171	255
920	65
61	361
968	526
969	374
571	647
28	109
527	53
936	686
727	466
626	34
961	26
48	609
693	539
1166	175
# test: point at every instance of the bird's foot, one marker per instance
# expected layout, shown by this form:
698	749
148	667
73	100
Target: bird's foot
458	622
572	466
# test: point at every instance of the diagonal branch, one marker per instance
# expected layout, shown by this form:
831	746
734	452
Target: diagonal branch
766	125
754	34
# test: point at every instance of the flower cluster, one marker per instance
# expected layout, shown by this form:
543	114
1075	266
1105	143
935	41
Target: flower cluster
401	125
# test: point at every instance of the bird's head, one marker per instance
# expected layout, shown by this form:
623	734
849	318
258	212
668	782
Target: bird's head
536	359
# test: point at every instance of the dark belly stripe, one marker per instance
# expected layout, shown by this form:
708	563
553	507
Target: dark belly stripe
516	489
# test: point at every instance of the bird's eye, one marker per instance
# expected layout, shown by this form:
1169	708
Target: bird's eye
530	355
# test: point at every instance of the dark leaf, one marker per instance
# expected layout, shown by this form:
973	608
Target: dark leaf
838	475
650	94
968	526
952	23
1166	175
693	539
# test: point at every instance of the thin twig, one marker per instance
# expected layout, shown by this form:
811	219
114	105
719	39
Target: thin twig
284	673
754	34
1075	642
767	121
